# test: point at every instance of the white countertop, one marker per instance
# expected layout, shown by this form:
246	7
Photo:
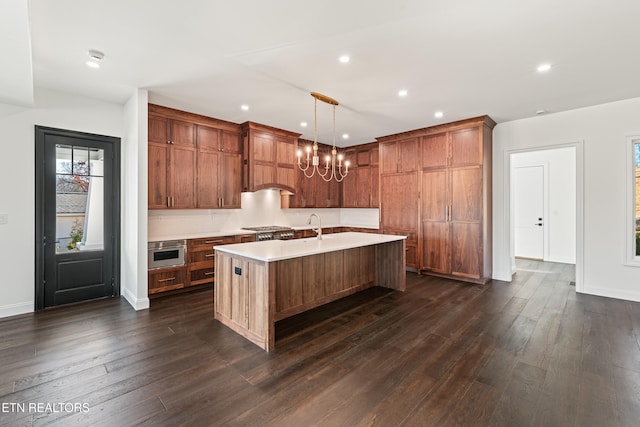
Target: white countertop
276	250
199	235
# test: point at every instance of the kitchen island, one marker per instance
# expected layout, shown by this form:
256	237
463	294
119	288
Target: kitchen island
259	283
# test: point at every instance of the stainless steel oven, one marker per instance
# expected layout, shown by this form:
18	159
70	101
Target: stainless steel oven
169	253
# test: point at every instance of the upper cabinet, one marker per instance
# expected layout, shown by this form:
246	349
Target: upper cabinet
399	155
269	157
194	161
360	187
172	163
315	192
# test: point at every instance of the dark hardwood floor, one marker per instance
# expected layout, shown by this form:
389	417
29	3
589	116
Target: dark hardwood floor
530	352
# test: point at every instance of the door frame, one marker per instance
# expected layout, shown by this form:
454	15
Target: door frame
40	133
508	241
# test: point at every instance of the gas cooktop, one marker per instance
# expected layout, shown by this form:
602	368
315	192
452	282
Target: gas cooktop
272	232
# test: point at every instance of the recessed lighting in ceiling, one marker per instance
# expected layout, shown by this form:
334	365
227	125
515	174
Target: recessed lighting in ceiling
345	136
402	93
540	112
303	124
438	114
543	68
244	107
344	59
95	56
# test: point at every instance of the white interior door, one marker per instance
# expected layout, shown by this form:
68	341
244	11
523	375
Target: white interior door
528	211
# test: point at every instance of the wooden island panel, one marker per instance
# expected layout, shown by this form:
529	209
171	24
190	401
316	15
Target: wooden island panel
251	295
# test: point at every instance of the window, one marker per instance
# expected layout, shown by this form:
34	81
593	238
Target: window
633	196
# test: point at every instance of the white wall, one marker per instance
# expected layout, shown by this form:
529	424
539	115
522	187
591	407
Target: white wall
602	129
133	274
17	181
259	208
560	200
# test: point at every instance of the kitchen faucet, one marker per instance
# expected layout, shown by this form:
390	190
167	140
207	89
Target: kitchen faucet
319	229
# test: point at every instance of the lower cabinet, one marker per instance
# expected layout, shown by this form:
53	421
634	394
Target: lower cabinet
167	279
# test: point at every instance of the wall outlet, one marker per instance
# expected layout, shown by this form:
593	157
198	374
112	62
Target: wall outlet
4	219
238	271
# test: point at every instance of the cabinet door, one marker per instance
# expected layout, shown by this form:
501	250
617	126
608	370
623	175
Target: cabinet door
363	190
230	142
388	157
182	169
399	201
263	148
466	250
321	193
466	194
435	227
183	133
207	138
434	150
230	180
157	185
375	186
350	189
208	164
158	130
466	147
408	155
335	194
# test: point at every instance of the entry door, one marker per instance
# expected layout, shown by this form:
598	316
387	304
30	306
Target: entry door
78	217
529	208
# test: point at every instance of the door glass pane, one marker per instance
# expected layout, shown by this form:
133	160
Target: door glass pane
79	199
636	149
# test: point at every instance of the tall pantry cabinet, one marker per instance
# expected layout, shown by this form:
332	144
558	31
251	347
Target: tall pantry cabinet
436	185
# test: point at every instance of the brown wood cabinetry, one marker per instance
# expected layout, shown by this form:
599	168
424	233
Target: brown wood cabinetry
194	161
270	157
167	279
360	187
219	177
436	190
456	201
201	256
172	163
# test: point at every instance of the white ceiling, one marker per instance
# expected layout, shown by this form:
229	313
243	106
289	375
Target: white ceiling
465	58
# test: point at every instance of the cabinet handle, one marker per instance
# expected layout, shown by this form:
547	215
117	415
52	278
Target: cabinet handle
168	201
210	255
166	280
446	213
213	241
209	273
173	201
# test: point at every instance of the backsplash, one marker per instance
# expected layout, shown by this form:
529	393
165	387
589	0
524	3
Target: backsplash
258	208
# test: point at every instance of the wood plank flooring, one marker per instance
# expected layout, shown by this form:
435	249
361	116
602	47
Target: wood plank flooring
530	352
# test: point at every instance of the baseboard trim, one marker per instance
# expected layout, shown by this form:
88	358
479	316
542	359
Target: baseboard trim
136	303
16	309
611	293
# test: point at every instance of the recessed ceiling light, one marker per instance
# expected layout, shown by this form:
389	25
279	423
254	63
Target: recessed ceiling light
438	114
92	64
96	55
344	59
539	112
303	124
543	68
345	136
244	107
402	93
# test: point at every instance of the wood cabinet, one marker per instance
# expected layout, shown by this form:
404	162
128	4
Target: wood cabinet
269	157
201	256
456	201
172	163
314	192
167	279
360	188
219	175
435	188
194	161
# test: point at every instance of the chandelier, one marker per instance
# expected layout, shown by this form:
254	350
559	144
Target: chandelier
331	162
